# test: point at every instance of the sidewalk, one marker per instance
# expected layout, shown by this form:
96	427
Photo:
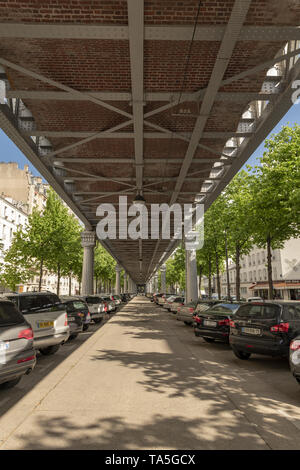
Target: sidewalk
143	381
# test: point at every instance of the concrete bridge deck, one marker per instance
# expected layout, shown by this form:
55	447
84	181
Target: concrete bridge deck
143	381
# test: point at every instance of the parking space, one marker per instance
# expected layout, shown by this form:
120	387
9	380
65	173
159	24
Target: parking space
144	381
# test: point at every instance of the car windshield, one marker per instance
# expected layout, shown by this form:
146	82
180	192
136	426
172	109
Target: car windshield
9	314
259	311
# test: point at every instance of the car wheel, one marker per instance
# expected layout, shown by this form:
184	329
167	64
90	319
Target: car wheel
241	354
298	380
187	323
209	340
85	327
50	350
73	336
10	383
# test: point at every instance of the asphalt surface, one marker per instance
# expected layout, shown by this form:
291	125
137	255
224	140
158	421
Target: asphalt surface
143	380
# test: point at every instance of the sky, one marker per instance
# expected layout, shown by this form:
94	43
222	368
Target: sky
10	153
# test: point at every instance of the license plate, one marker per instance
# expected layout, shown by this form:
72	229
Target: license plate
210	323
45	324
97	315
71	318
251	331
4	345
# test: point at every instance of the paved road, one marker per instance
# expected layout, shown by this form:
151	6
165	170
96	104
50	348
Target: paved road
144	381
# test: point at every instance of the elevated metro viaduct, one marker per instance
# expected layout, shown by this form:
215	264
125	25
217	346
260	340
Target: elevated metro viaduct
162	98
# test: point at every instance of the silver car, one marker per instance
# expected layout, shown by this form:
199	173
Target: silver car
96	307
47	317
17	354
178	302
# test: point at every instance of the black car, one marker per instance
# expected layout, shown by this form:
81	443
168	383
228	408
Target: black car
264	328
78	313
214	323
295	358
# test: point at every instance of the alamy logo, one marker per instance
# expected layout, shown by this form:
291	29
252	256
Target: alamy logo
187	222
296	94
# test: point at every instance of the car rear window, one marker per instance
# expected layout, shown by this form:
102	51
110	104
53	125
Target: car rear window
259	311
228	308
291	312
32	303
93	300
9	314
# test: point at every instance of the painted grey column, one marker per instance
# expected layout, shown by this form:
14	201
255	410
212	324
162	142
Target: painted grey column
191	276
88	244
118	283
155	283
125	283
163	279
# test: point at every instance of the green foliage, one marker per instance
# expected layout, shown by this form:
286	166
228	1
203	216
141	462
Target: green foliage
104	264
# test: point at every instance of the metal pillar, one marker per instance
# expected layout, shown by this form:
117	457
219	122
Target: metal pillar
88	244
163	278
191	276
118	281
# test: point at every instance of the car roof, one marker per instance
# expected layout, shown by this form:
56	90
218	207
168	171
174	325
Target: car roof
24	294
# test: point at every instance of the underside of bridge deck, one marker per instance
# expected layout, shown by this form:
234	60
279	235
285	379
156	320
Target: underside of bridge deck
168	98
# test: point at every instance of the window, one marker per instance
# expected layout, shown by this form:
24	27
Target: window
250	276
245	277
292	312
9	314
259	311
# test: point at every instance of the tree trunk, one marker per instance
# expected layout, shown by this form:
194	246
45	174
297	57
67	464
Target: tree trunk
218	276
79	288
58	279
41	275
70	284
227	269
200	279
209	278
238	272
269	258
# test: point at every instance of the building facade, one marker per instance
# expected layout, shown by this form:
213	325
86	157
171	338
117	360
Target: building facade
254	275
20	193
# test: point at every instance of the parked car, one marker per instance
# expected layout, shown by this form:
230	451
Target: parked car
178	302
78	313
168	301
96	307
116	298
185	312
17	354
109	303
48	319
214	322
295	358
255	299
157	297
265	328
162	299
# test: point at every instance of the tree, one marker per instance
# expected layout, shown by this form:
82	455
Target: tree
104	266
239	221
275	194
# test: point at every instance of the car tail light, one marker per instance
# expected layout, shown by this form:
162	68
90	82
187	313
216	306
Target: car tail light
66	320
112	297
225	322
26	334
88	317
105	306
231	324
198	319
191	309
295	345
280	328
29	358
